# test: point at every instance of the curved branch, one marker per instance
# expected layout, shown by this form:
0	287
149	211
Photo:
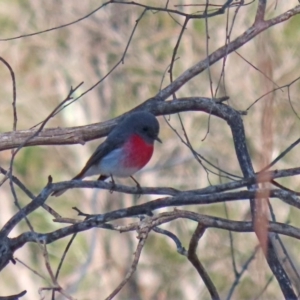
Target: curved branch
193	258
14	297
82	134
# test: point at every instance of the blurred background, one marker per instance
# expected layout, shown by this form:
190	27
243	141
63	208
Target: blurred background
47	65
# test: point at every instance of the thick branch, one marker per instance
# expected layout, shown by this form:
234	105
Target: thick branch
261	9
82	134
263	177
161	218
56	136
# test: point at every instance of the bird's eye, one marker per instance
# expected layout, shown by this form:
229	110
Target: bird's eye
145	128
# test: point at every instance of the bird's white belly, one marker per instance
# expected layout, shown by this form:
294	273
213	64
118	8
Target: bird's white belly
112	164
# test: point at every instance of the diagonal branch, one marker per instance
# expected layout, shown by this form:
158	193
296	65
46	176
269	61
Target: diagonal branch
260	13
143	234
249	34
14	297
193	258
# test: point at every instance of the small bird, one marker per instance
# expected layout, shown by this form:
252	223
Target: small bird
126	150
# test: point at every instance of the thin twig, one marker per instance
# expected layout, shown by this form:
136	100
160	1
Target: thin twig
29	193
14	102
280	156
175	51
62	260
238	275
121	61
180	249
142	240
231	244
56	27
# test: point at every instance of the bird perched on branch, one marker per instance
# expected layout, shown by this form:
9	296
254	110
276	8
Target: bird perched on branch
126	150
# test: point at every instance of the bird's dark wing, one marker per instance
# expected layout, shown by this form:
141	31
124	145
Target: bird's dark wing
102	150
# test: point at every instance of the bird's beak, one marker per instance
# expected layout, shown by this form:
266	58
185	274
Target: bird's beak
158	139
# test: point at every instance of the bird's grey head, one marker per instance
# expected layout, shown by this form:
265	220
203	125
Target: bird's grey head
144	124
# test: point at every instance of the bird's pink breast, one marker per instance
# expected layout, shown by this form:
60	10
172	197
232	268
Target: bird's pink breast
138	152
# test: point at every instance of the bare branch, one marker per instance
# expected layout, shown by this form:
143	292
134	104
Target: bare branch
240	274
207	221
193	258
143	234
82	134
14	297
180	249
57	27
227	49
14	102
260	13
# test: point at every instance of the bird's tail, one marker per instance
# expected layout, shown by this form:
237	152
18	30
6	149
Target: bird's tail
60	192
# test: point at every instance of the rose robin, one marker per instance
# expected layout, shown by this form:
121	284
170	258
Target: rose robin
126	150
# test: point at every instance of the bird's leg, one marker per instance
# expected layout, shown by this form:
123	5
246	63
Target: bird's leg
112	184
137	186
104	177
